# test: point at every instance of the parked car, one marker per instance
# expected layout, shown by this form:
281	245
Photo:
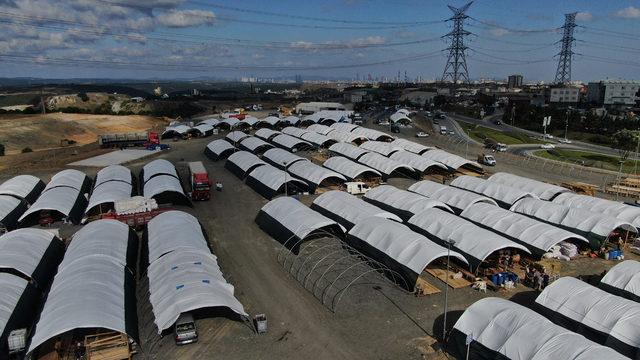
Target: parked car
451	132
564	141
185	329
436	122
422	134
547	146
488	160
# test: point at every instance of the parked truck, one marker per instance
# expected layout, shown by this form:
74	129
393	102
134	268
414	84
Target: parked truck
121	140
135	212
200	183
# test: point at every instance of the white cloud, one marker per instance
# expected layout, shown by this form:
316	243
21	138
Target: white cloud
301	45
630	12
370	40
186	18
405	34
498	32
584	16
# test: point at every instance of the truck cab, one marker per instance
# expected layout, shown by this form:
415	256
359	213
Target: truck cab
185	329
200	183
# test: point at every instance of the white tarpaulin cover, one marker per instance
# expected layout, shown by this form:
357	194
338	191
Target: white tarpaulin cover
520	333
270	120
583	220
403	200
398	116
451	160
383	164
61	199
296	217
531	232
253	143
160	184
416	161
219	146
294	131
266	134
346	137
11	208
70	178
348	168
372	134
608	207
320	129
249	120
501	193
282	158
231	122
312	173
211	122
235	137
624	276
156	167
397	241
594	308
411	146
20	186
348	150
109	192
187	280
113	173
290	142
291	120
245	160
104	238
454	197
467	236
203	129
178	129
541	189
341	126
23	249
174	230
348	207
317	139
381	147
273	178
12	289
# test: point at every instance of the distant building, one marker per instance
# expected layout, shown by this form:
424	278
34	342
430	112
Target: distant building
137	99
613	92
564	96
420	98
356	96
312	107
515	81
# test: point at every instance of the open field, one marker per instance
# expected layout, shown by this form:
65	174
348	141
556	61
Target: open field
586	158
480	133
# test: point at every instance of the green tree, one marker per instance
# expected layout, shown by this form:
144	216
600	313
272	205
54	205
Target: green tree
1	150
625	141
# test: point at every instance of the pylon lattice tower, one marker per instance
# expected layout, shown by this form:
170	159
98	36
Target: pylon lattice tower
563	72
456	68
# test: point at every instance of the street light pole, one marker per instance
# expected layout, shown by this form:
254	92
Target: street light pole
286	190
566	124
446	292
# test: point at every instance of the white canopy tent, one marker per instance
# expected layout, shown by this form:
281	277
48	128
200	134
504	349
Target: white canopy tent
241	163
175	131
70	178
166	189
113	173
11	209
386	166
351	169
291	143
158	167
348	150
269	181
248	121
254	144
291	120
66	201
212	122
453	161
399	117
266	134
476	242
347	137
608	207
17	303
317	139
502	194
234	137
457	199
294	131
24	187
320	129
538	236
417	162
541	189
347	209
314	175
401	202
229	123
218	149
107	193
346	127
509	330
411	146
281	158
174	230
203	129
372	134
381	147
269	121
624	278
32	252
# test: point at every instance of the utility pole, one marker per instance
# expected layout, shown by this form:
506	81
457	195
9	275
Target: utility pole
563	72
44	108
456	67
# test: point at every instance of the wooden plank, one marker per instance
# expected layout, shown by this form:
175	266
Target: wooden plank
425	288
454	283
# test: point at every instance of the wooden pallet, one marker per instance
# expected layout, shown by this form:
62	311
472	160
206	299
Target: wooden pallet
424	288
107	346
454	283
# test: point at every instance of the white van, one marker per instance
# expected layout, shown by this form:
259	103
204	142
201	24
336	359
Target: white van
356	188
185	329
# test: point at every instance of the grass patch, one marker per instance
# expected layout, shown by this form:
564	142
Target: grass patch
591	159
480	133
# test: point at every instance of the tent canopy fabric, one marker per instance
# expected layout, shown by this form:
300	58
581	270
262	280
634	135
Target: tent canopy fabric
266	134
291	120
346	137
165	189
519	333
351	169
248	121
109	192
401	202
457	199
536	235
384	165
281	158
290	143
14	290
254	144
229	122
218	149
399	117
608	207
503	194
416	161
411	146
541	189
175	131
294	131
67	201
235	137
372	134
314	175
203	129
24	187
212	122
158	167
188	280
317	139
624	276
320	129
469	238
243	162
347	209
174	230
381	147
348	150
113	173
346	127
451	160
589	307
268	181
69	178
11	208
270	120
31	252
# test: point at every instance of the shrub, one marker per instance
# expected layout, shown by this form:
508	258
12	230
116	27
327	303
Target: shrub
27	150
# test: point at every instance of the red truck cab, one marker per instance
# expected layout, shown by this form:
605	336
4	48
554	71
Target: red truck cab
200	183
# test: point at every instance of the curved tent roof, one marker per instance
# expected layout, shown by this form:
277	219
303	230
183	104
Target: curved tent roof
457	199
516	332
92	292
384	165
381	147
113	173
235	137
399	117
292	120
314	175
254	144
348	150
318	139
341	126
592	224
538	236
211	122
268	181
416	161
541	189
24	187
229	122
289	221
270	120
411	146
402	202
165	189
348	209
251	121
413	252
67	201
158	167
266	134
108	193
294	131
474	241
625	278
502	194
453	161
174	230
291	143
243	162
70	178
320	129
281	158
372	134
203	129
176	130
11	208
608	207
19	305
218	149
348	168
593	310
346	137
406	112
188	280
32	252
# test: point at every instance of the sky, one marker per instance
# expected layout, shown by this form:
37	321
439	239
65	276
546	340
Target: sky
172	39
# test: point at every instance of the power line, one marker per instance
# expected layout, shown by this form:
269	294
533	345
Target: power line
633	36
610	46
456	67
514	30
514	61
563	72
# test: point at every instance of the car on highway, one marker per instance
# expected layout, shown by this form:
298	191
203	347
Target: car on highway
547	146
436	122
498	122
421	134
564	141
488	160
451	132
